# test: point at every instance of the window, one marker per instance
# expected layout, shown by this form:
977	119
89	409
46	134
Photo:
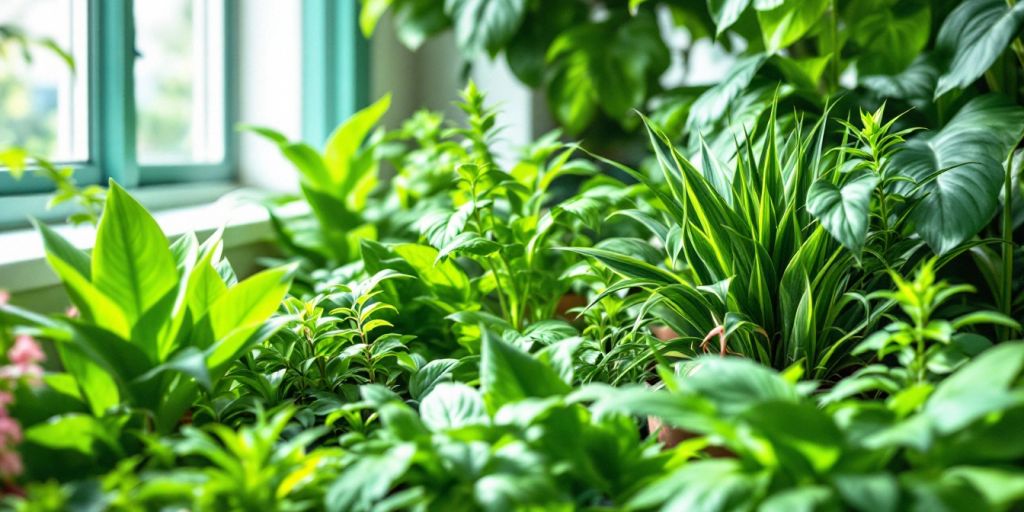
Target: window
179	81
147	102
43	102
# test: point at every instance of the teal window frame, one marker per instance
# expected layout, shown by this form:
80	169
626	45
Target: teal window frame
335	67
112	134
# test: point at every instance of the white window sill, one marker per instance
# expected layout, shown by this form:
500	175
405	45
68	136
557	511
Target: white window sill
23	264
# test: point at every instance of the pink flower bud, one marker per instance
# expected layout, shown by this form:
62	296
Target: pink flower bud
10	431
25	351
71	312
10	464
5	297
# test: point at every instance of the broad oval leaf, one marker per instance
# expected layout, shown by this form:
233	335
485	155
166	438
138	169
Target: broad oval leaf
484	25
974	35
452	405
969	150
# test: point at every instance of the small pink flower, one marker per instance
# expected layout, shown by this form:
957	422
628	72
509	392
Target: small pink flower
5	297
71	312
10	431
10	464
25	351
6	398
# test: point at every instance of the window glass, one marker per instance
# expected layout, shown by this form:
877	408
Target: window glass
43	100
179	81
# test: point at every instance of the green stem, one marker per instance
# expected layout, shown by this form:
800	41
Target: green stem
1006	294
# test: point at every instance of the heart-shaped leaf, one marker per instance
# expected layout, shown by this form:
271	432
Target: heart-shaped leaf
844	211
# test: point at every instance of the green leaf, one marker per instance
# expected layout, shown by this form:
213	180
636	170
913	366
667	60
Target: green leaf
804	438
978	388
72	431
417	20
131	263
484	25
973	36
368	479
725	13
14	159
784	22
889	34
608	65
452	405
508	374
430	375
442	275
250	302
371	14
628	266
352	173
844	212
869	492
801	499
714	103
969	151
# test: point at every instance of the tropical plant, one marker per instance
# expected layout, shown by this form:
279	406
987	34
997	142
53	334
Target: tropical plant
157	321
336	183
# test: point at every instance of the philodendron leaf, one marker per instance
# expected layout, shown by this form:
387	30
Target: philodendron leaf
890	34
132	262
484	25
974	35
844	212
726	12
969	150
508	374
783	22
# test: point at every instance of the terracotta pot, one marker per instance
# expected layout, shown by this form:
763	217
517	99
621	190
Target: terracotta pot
664	333
569	301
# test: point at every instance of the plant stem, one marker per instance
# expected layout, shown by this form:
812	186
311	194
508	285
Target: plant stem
1006	293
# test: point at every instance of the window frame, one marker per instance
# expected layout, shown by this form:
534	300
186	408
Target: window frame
335	67
112	128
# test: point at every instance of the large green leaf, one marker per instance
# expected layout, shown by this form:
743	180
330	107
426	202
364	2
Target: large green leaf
508	374
844	211
131	263
484	25
452	405
783	22
249	303
974	35
608	65
352	172
957	203
726	12
889	33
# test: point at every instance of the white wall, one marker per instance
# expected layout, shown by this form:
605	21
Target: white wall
270	87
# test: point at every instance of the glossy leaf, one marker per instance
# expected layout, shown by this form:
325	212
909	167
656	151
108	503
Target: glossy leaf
844	211
974	35
131	262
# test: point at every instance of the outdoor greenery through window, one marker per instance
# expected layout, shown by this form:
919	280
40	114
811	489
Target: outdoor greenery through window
179	81
129	89
45	100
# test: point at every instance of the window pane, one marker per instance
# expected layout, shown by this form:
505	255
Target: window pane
179	81
43	102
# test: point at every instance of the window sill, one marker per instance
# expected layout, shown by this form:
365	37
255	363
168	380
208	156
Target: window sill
23	264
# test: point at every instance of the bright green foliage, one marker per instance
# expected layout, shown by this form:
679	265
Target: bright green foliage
158	321
336	184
